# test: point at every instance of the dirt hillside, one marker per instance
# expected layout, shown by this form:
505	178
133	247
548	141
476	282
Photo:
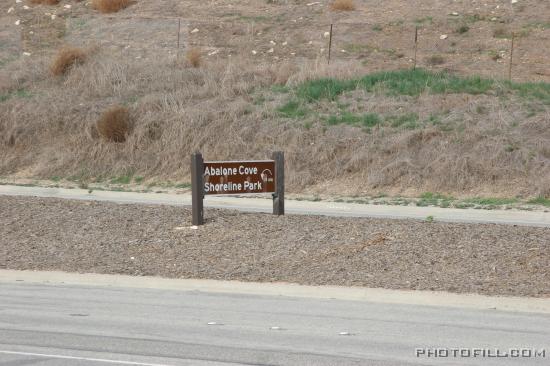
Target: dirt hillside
243	78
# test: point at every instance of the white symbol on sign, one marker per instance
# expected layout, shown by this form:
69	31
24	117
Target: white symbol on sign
267	175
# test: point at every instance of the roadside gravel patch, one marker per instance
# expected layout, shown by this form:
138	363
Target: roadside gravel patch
78	236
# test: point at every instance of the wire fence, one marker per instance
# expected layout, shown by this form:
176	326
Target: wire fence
486	51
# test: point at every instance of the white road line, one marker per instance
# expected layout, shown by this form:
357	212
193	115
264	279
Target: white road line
81	358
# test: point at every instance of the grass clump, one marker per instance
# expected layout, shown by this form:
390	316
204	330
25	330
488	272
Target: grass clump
420	21
540	201
343	5
434	199
367	120
114	124
371	120
66	58
193	57
501	32
491	201
409	120
292	109
123	179
435	60
110	6
463	29
19	93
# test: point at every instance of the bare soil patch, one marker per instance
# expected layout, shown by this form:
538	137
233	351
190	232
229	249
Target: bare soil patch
52	234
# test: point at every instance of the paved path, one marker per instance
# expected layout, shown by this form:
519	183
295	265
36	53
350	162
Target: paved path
511	217
71	323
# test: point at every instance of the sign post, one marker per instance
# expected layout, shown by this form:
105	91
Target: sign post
236	177
279	195
197	192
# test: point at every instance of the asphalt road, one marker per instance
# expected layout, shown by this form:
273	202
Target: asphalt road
53	324
264	204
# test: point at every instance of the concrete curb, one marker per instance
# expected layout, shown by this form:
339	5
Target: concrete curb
377	295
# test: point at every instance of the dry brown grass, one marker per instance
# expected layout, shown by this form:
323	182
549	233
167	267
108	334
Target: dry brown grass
179	111
343	5
45	2
193	57
110	6
114	124
66	58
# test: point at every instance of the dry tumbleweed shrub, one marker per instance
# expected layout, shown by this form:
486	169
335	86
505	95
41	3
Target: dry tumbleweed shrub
193	57
110	6
114	124
66	58
346	5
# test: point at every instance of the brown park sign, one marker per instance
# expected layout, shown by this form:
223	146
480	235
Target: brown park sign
237	177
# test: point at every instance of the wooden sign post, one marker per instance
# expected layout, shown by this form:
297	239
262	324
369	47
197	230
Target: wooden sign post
197	193
236	177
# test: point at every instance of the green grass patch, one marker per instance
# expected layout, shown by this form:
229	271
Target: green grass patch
537	91
326	88
122	179
540	201
371	120
367	120
292	109
394	83
475	18
539	25
405	83
491	201
19	93
434	199
434	119
408	120
425	20
357	48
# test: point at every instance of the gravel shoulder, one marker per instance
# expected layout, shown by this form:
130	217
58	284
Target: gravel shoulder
101	237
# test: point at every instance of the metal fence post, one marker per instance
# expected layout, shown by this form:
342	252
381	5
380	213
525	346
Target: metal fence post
179	31
415	45
511	57
197	188
279	195
330	44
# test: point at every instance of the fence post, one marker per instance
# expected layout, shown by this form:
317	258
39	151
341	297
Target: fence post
279	195
330	43
179	31
415	45
511	57
197	188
